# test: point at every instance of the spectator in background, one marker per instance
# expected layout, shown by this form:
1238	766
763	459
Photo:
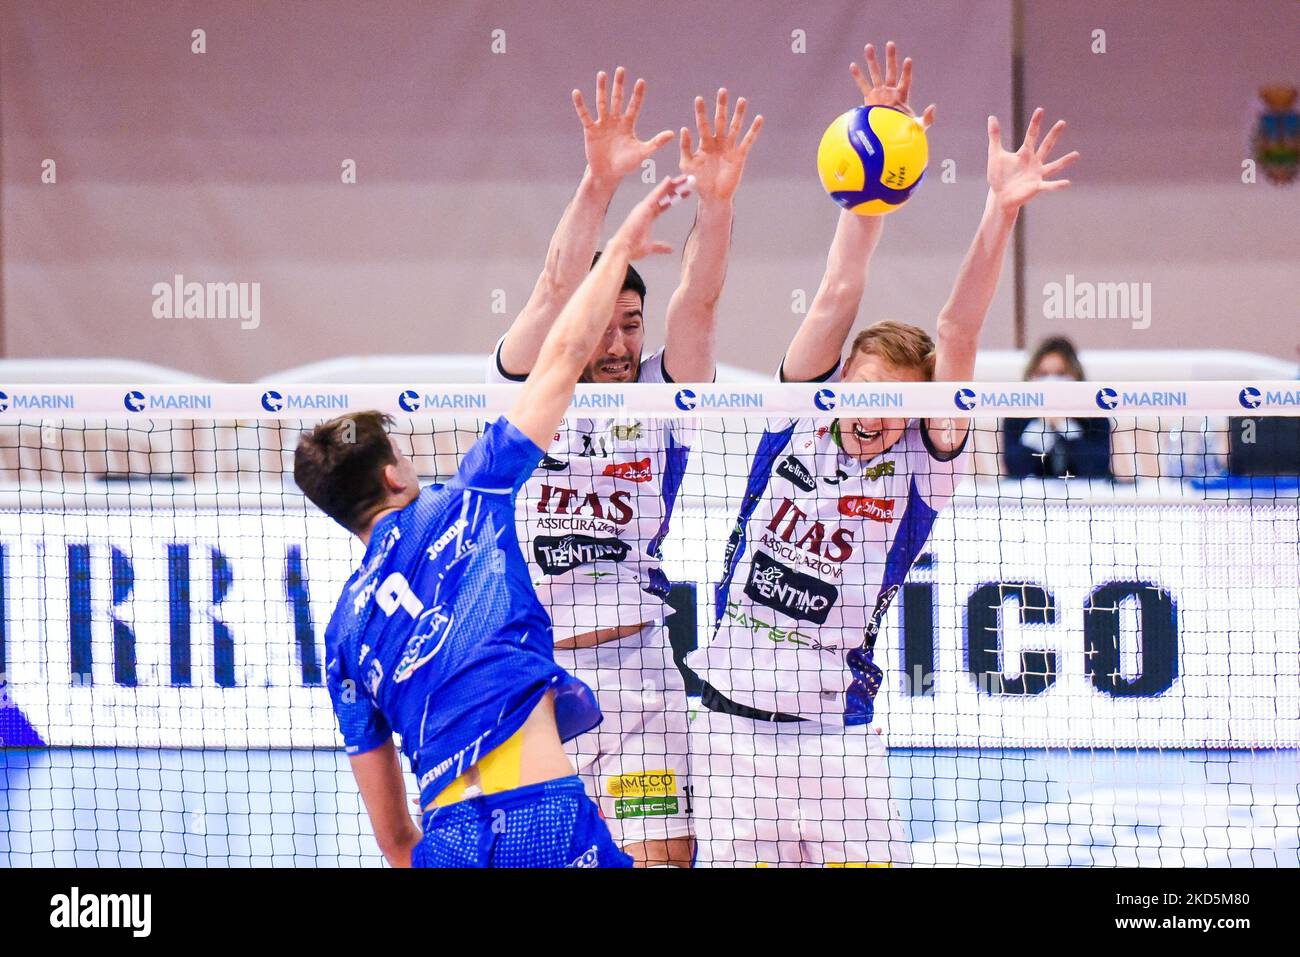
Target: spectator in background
1053	448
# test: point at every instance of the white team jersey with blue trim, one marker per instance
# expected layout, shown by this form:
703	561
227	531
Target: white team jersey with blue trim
592	516
822	545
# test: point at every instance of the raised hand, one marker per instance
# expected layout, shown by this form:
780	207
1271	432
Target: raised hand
720	160
613	149
891	88
1016	178
634	234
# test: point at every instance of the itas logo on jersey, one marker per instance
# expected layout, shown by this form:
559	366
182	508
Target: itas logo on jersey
638	471
558	500
862	506
558	555
796	473
791	524
789	592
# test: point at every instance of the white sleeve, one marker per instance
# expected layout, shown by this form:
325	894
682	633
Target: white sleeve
495	372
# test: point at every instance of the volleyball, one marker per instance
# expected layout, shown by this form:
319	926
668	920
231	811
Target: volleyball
871	158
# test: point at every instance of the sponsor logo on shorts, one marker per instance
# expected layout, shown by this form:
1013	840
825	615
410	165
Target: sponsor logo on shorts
645	807
642	784
800	596
795	472
862	506
638	471
644	794
557	555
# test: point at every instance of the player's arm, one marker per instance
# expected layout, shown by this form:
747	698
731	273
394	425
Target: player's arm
1014	179
818	345
541	403
613	151
379	778
717	166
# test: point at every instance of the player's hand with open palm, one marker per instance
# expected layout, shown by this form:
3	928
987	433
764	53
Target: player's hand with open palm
1016	178
634	235
890	88
719	162
612	147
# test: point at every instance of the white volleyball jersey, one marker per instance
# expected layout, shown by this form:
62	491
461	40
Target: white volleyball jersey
592	517
821	546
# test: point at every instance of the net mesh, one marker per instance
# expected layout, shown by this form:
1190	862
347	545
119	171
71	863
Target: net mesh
1084	632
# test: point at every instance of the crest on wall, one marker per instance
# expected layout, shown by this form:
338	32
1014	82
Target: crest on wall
1275	142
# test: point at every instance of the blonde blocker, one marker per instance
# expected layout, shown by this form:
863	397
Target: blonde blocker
897	342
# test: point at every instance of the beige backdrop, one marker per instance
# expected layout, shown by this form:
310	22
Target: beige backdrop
225	166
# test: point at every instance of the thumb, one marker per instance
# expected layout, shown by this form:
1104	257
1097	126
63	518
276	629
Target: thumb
659	140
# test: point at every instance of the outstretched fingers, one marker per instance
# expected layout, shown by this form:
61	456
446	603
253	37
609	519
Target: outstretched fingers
1054	167
616	101
752	135
602	95
634	103
737	119
873	66
1031	132
580	105
1049	141
995	134
702	120
905	79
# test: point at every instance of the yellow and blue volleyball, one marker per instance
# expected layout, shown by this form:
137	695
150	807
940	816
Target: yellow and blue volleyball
871	158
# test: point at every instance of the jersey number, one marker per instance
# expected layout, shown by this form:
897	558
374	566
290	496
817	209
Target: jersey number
396	593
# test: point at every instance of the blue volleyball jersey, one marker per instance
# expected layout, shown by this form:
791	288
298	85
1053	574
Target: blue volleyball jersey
439	635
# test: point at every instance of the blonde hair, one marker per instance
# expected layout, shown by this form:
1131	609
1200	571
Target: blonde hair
898	343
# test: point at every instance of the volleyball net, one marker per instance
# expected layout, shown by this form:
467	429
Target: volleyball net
1090	654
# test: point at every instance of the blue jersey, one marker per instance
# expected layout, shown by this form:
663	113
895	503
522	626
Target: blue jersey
439	635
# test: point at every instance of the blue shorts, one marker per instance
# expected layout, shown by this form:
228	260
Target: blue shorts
552	824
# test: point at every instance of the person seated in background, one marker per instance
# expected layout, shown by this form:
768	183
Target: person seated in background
1055	447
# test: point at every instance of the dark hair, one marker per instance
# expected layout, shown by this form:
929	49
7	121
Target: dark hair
339	465
1060	346
632	280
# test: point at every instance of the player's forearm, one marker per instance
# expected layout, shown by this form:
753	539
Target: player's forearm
692	312
567	261
584	317
542	401
962	317
819	343
397	850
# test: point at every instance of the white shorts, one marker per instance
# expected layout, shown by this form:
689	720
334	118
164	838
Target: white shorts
635	764
792	794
